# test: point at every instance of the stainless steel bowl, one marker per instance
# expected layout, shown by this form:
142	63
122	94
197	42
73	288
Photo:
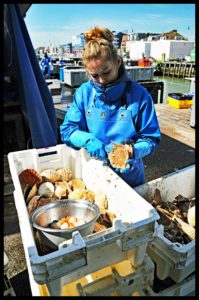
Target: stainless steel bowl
45	215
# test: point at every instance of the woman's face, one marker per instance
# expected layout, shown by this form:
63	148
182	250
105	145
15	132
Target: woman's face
103	72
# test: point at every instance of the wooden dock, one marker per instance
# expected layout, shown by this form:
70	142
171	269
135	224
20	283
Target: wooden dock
176	123
178	69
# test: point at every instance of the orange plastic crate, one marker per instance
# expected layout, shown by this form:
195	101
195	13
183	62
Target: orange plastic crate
144	63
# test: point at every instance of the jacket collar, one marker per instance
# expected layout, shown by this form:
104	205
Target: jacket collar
111	92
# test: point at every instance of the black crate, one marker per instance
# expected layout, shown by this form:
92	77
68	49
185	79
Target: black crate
156	89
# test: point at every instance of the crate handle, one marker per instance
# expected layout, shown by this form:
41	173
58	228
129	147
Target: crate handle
77	242
47	153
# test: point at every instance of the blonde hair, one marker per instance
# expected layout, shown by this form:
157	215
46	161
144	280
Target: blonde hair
99	45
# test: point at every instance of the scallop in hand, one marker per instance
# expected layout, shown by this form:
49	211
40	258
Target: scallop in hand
119	154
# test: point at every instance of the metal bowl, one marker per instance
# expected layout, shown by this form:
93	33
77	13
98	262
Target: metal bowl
45	215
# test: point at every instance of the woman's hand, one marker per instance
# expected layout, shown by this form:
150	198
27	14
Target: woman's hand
129	168
96	149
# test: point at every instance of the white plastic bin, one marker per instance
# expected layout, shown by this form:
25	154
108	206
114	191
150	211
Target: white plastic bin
8	289
140	73
172	259
116	280
75	77
126	239
187	287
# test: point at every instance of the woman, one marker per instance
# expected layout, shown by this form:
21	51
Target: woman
110	108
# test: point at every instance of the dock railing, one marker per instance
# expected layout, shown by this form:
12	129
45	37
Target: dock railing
178	69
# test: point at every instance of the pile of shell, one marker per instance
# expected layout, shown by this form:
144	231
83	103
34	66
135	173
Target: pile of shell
177	217
52	185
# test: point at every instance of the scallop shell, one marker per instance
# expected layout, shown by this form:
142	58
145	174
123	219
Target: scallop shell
186	228
88	195
55	225
46	189
30	176
191	216
105	220
31	193
26	189
85	194
32	204
44	201
119	154
101	201
76	194
77	183
110	215
42	248
49	175
64	174
62	189
98	227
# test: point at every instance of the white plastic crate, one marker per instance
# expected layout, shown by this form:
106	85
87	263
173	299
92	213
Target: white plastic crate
118	280
83	255
187	287
8	289
173	260
115	280
75	77
145	73
140	73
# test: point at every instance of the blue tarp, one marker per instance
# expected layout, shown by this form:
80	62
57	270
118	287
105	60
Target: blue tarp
35	98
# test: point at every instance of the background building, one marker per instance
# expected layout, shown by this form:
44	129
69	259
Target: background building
171	49
78	43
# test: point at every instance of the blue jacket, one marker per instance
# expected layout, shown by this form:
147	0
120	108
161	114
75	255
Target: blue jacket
120	111
45	61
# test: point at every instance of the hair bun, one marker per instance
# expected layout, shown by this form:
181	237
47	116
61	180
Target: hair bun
97	33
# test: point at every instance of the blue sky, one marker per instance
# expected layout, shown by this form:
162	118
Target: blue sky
55	24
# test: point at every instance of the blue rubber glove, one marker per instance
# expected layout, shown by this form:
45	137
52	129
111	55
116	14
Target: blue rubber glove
130	168
96	149
87	140
143	148
109	147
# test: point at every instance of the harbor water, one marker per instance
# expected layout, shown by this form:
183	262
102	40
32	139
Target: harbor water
174	85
